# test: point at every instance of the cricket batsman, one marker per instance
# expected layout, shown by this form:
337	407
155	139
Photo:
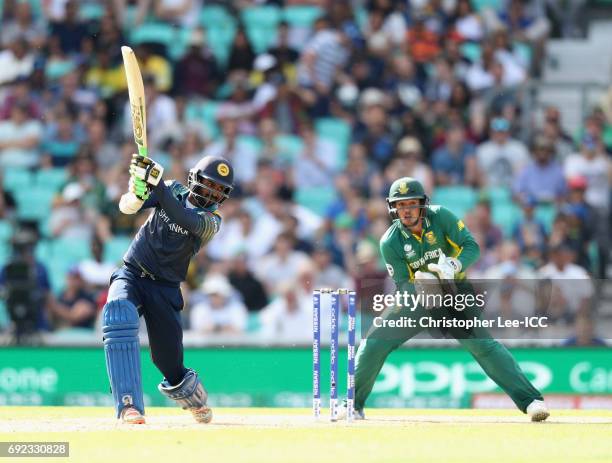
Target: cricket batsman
183	220
428	244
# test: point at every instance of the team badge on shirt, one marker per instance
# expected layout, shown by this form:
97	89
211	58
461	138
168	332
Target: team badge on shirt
430	237
460	225
223	169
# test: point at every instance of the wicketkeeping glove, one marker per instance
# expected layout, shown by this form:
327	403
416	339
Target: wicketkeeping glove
428	284
146	169
446	268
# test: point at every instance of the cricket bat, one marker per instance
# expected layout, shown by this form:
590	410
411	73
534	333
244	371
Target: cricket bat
137	99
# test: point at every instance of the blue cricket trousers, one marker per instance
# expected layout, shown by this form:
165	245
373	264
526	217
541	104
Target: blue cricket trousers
160	304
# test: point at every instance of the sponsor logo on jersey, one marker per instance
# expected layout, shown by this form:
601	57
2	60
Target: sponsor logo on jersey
409	251
172	226
430	237
390	270
215	224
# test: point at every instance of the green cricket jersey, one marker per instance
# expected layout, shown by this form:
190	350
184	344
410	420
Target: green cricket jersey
405	253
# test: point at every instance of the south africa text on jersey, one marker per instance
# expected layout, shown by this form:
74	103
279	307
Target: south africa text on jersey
433	254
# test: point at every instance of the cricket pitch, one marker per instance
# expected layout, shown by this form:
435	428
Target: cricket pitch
291	435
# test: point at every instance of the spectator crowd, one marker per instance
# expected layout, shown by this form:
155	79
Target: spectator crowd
319	105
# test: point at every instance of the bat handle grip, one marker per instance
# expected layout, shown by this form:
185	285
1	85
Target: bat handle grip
143	151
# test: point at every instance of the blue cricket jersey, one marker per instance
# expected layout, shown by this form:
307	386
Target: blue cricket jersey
172	235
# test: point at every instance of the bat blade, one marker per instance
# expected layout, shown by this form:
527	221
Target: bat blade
137	99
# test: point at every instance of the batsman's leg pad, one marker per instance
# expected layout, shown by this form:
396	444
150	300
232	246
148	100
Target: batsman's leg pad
122	351
189	393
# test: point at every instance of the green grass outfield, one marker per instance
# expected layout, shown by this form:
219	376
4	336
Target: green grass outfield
291	435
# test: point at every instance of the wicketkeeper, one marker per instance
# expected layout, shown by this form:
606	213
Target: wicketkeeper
428	247
183	220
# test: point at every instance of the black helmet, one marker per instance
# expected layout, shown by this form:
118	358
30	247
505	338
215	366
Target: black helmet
209	172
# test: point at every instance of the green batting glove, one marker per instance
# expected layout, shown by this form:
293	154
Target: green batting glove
140	188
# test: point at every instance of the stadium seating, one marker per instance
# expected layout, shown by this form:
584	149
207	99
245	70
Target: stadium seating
316	199
6	230
607	136
44	250
266	16
524	51
471	51
261	38
506	216
36	5
546	213
44	227
498	195
337	131
179	45
361	16
5	252
91	11
129	17
65	253
69	250
219	38
220	29
290	146
301	19
34	203
253	323
479	5
4	316
51	179
250	142
261	25
115	247
574	62
156	32
593	253
459	199
215	16
206	114
15	178
301	15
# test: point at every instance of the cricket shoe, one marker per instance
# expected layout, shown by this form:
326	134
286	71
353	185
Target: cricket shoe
537	410
130	415
358	414
202	414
